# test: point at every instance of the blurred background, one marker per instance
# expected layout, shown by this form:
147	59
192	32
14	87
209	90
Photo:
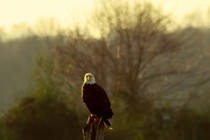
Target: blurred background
151	56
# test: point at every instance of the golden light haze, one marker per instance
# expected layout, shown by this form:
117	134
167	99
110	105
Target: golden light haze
29	11
65	11
183	9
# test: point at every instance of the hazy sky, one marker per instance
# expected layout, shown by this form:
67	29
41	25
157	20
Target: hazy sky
29	11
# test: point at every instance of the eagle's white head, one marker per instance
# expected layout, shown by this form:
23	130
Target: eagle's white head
89	79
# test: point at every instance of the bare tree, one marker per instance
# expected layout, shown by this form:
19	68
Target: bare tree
132	56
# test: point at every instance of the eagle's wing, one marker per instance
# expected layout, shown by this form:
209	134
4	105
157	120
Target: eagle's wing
104	103
102	95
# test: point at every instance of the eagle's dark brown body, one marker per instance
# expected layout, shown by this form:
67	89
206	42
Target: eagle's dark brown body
97	101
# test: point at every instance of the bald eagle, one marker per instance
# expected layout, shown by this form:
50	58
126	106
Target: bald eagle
96	99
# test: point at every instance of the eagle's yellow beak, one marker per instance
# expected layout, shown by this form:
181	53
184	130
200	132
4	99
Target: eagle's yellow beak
88	78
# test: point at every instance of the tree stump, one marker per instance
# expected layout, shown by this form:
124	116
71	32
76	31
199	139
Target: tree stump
94	128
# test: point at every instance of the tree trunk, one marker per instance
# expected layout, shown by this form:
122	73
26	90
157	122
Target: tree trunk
93	129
